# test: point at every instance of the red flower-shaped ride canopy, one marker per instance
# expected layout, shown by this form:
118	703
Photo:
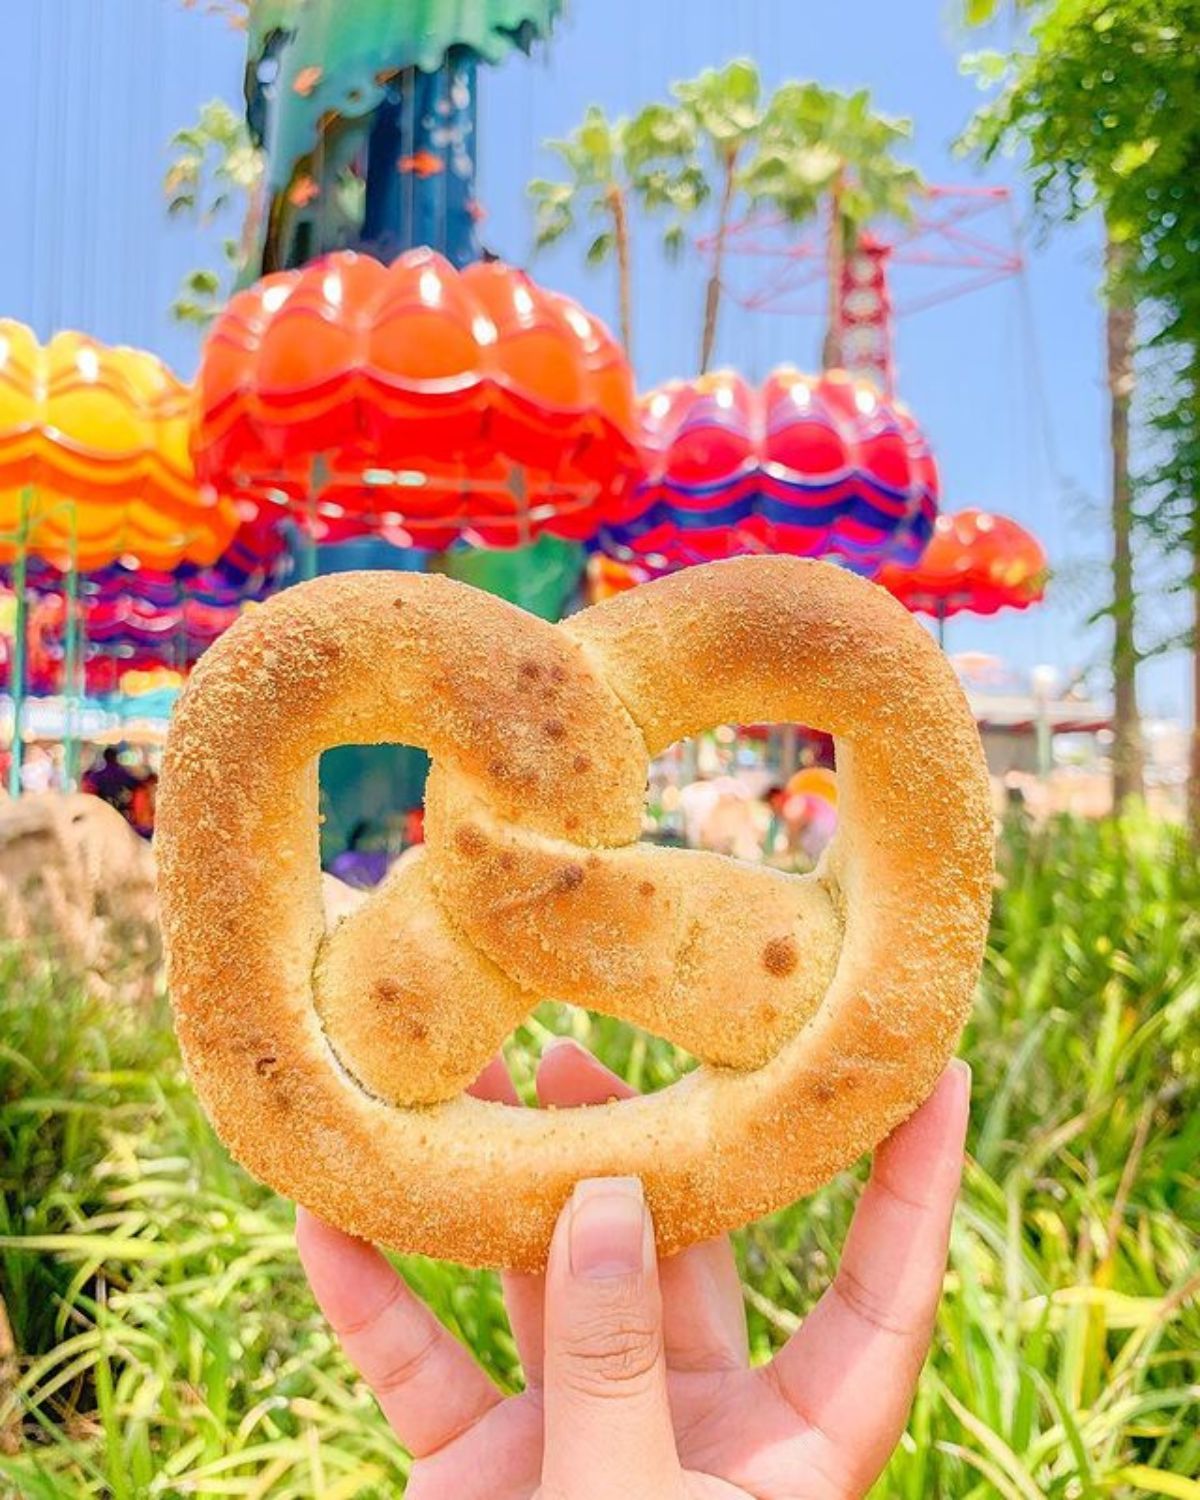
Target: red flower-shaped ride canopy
976	563
423	401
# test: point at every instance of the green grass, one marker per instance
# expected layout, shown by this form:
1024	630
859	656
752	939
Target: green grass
169	1347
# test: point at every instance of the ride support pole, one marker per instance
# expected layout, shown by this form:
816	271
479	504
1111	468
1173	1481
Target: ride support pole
16	685
71	666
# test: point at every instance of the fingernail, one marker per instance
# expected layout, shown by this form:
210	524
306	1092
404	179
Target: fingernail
608	1228
961	1069
561	1044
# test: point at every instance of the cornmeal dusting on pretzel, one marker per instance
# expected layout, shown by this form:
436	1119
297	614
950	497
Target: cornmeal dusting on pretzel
822	1008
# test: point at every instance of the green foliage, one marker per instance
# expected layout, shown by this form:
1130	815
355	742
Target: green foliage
214	167
980	12
1104	108
794	148
723	106
170	1347
645	157
815	141
609	163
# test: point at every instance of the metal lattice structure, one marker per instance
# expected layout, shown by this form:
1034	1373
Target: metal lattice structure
960	240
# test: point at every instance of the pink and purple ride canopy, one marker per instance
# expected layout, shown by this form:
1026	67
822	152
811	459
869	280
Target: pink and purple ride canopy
255	564
132	616
810	465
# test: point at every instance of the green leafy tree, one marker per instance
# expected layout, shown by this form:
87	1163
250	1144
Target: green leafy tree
825	152
610	165
214	167
1104	107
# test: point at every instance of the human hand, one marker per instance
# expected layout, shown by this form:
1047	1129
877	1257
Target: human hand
638	1382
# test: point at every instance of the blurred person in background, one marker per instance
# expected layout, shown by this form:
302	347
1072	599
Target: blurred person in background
111	781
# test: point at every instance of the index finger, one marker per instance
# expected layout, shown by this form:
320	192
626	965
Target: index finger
427	1385
851	1370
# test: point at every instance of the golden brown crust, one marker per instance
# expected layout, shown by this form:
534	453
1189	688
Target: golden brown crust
823	1007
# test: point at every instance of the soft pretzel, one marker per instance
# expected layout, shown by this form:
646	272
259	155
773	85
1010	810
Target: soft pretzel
822	1008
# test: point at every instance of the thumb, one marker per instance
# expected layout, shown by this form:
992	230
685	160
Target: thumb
608	1424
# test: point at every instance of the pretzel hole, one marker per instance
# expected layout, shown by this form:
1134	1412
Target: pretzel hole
766	792
362	833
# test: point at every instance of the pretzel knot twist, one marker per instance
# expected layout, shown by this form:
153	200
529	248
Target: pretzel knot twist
821	1008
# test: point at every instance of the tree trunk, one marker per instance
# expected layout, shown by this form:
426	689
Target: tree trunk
620	218
833	355
712	297
1127	741
1194	767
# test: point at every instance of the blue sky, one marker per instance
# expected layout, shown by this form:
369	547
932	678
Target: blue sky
93	89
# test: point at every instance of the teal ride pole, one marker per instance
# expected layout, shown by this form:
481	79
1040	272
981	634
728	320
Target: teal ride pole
71	666
318	478
180	644
307	562
17	677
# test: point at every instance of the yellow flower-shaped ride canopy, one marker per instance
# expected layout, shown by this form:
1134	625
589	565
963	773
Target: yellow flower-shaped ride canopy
94	452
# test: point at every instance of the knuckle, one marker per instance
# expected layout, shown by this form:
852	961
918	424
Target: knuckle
400	1370
610	1355
351	1328
873	1307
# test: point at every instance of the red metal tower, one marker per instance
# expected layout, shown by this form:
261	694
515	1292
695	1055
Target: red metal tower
959	240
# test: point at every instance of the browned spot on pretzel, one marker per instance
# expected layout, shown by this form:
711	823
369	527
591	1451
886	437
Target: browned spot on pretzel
780	956
469	841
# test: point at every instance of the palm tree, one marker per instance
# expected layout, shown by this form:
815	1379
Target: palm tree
597	186
824	152
723	107
611	164
808	150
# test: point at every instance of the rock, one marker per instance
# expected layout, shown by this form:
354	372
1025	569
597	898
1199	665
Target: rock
76	880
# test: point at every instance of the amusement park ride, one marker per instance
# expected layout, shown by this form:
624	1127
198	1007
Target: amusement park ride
375	379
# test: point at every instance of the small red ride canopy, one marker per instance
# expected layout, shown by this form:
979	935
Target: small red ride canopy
977	562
